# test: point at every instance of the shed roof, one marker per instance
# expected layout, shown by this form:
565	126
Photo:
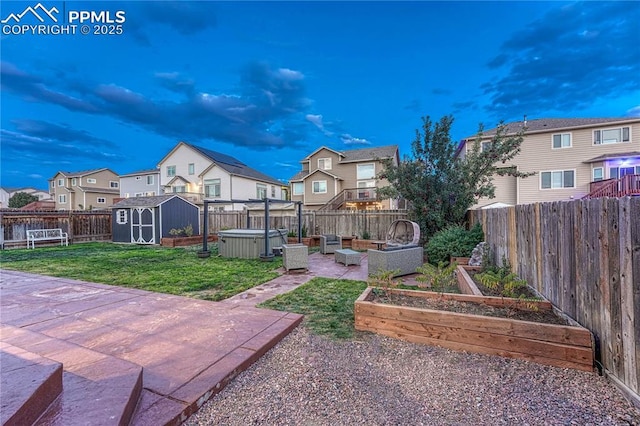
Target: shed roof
153	201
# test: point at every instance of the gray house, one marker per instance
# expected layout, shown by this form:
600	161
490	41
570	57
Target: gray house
145	220
142	183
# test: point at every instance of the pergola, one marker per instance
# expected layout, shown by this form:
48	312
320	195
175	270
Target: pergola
268	254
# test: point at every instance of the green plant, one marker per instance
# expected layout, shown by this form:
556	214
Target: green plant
439	278
453	241
383	281
304	231
188	230
502	280
366	235
176	232
291	234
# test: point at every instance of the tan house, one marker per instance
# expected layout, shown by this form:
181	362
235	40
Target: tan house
571	157
198	173
333	180
85	190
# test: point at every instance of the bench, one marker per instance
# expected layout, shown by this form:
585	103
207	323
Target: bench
55	234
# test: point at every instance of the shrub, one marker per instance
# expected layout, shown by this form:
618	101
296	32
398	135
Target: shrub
453	241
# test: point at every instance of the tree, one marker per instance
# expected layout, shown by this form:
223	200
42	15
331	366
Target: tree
21	199
440	186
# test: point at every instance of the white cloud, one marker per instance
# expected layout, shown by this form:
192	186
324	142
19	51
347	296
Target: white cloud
347	139
316	120
634	112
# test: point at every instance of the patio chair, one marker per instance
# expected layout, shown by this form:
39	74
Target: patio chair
329	243
403	253
295	256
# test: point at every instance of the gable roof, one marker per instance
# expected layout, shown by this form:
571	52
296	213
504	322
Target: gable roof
308	157
367	154
82	173
542	125
232	165
142	172
152	201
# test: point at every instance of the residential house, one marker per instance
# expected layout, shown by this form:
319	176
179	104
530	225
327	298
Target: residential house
199	173
333	180
7	193
143	183
571	158
85	190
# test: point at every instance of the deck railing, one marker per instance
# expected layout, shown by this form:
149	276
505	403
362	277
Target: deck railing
627	185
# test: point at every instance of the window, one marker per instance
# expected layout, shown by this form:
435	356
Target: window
74	182
366	171
149	179
60	182
324	163
113	184
91	180
121	217
192	168
557	179
171	171
598	174
273	191
319	186
261	191
618	172
298	188
486	146
562	140
212	188
139	194
62	199
607	136
180	188
53	183
102	200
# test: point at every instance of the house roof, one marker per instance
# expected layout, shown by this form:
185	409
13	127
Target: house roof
98	190
176	179
153	201
320	149
142	172
82	172
300	175
551	124
230	164
323	172
606	157
367	154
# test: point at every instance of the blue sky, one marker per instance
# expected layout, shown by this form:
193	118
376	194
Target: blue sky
269	82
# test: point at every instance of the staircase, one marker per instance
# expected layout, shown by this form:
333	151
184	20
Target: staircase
627	185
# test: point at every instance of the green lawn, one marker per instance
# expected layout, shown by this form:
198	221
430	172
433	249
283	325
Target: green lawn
165	270
327	304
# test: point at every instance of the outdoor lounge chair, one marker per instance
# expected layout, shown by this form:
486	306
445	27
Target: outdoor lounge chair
329	243
403	253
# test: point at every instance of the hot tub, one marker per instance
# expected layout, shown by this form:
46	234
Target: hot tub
248	243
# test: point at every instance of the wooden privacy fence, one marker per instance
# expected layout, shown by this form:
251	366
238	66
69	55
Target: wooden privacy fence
80	225
342	222
584	256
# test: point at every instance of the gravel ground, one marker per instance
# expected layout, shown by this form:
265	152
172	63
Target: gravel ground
374	380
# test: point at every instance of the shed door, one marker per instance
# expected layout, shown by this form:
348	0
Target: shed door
143	230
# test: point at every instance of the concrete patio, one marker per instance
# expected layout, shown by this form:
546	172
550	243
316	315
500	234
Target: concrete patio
78	353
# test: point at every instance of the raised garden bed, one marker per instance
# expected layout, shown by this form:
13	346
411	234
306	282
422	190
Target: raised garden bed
460	322
185	241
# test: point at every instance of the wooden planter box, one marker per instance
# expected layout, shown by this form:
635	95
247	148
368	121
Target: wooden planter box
550	344
185	241
460	260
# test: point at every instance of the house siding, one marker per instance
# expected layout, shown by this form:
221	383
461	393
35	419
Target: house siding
181	158
130	185
537	155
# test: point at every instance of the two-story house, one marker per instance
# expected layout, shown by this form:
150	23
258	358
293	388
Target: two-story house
85	190
333	180
198	173
571	158
142	183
